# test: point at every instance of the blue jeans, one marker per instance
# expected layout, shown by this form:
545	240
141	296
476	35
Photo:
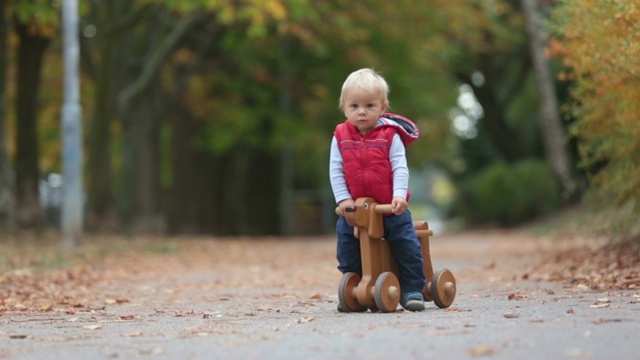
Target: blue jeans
403	241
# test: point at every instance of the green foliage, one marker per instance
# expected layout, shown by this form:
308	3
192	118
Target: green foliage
228	76
40	11
508	195
43	16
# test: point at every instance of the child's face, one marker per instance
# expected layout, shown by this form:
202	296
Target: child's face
363	108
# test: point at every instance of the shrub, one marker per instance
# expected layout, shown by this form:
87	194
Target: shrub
503	194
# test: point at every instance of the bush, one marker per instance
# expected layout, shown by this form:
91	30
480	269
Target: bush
506	195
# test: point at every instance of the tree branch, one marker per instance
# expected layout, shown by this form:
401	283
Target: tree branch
157	58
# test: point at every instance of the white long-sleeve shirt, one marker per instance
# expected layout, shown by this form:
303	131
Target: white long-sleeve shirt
397	157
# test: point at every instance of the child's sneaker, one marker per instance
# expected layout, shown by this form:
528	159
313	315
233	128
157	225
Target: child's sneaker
413	301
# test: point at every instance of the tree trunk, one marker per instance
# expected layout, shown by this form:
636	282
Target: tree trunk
7	197
100	190
149	217
130	160
183	209
285	107
553	131
141	161
262	217
192	194
31	49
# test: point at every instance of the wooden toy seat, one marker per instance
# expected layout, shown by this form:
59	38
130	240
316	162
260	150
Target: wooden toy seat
379	289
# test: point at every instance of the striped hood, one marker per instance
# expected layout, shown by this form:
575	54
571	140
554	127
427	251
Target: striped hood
406	128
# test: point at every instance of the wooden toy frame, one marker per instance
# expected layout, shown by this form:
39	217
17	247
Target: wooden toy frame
379	289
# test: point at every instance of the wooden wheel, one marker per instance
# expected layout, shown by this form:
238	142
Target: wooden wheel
443	288
346	296
387	292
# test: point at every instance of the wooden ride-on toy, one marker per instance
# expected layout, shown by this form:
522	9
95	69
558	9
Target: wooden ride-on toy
379	289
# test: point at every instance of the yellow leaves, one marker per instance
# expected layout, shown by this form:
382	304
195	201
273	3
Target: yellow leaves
276	10
256	14
227	14
260	13
592	40
599	41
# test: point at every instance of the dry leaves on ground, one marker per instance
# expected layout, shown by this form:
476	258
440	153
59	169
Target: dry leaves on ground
606	267
28	281
27	285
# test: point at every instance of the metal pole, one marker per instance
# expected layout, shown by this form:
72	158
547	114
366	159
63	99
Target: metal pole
72	198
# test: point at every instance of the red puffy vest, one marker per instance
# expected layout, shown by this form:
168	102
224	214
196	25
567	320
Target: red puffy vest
366	164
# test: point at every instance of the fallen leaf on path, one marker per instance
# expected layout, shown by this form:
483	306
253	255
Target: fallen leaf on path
92	327
448	332
92	309
604	321
511	315
305	303
17	336
115	301
184	313
303	320
453	309
516	297
482	350
601	303
154	351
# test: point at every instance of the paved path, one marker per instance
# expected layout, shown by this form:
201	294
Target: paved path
276	299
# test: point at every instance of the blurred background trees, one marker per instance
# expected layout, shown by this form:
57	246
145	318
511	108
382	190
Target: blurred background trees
603	66
215	116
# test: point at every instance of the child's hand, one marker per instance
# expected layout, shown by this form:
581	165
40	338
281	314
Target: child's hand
345	204
399	205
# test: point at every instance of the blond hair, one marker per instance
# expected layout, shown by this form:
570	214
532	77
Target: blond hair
366	79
